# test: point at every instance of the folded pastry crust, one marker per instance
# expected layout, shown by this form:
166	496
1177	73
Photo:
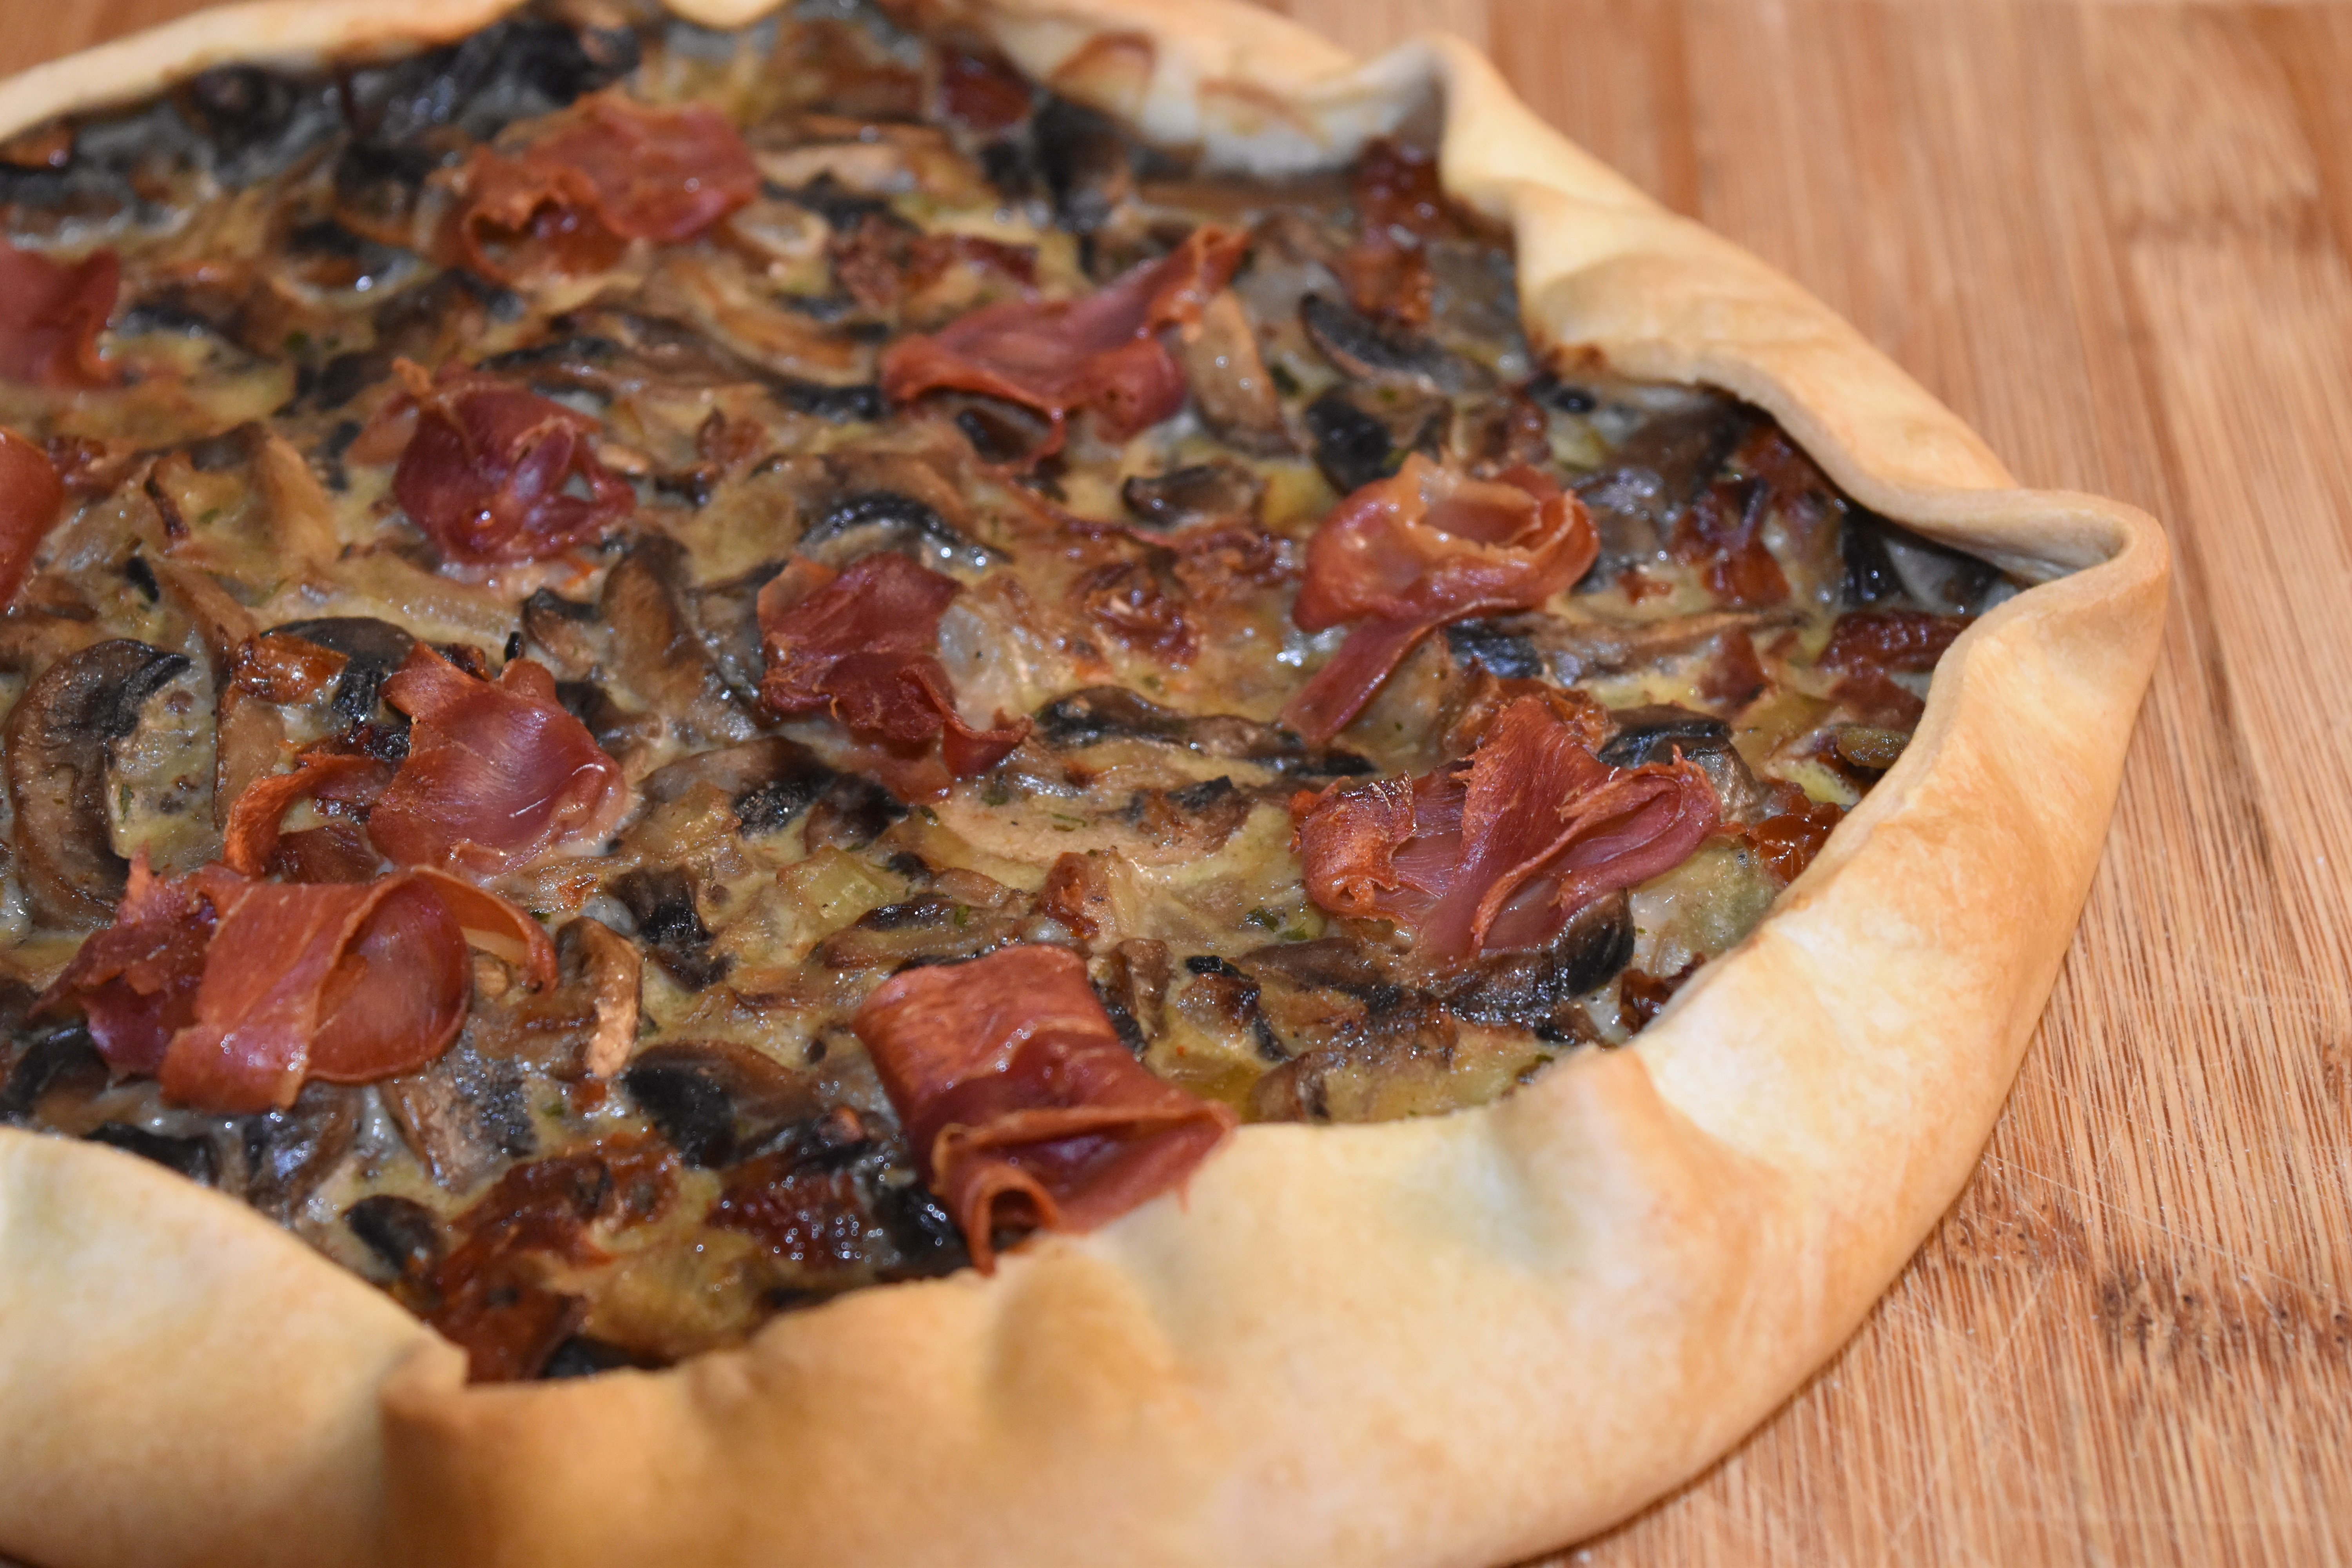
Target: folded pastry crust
1457	1340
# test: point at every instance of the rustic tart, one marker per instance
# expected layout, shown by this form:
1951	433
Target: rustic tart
998	781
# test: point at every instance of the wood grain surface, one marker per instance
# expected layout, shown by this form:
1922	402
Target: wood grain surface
2115	238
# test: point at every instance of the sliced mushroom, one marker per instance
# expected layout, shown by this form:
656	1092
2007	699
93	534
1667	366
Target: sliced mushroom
58	736
1351	447
569	634
853	812
1537	990
661	901
860	524
713	295
1400	1062
1231	387
1196	819
1083	156
1660	468
1658	732
770	781
1095	714
248	738
920	931
1869	575
62	1061
402	1233
1379	355
598	958
1225	1000
1009	434
717	1102
301	513
1331	962
465	1116
1201	492
193	1157
1945	580
1577	648
658	652
289	1153
254	122
1495	644
1135	989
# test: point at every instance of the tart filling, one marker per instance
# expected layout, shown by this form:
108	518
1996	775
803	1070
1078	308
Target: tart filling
608	622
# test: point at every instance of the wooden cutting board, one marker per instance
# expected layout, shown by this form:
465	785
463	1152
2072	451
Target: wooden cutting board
2115	238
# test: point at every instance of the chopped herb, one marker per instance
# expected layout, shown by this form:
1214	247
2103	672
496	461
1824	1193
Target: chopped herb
1284	382
1264	919
928	815
995	794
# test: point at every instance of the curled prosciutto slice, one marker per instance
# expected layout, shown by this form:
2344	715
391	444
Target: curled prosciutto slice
50	315
251	837
234	993
1500	851
862	645
1101	353
610	174
31	495
496	774
1405	555
494	473
1021	1105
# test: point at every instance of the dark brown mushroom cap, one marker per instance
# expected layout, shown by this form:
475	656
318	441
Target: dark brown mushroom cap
1199	492
58	737
374	648
1366	351
717	1101
1654	735
657	650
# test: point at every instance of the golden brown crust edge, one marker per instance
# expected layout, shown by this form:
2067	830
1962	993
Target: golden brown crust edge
1438	1342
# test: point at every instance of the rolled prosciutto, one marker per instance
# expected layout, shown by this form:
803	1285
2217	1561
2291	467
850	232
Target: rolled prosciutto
1501	851
234	993
1101	353
1022	1107
1405	555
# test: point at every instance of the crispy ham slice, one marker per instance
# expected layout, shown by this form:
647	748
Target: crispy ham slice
50	315
1021	1105
31	497
861	646
234	993
612	172
498	773
1407	554
251	837
1502	850
493	473
1101	353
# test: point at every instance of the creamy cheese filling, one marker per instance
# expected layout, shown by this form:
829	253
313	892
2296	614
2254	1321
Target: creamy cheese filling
681	1134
